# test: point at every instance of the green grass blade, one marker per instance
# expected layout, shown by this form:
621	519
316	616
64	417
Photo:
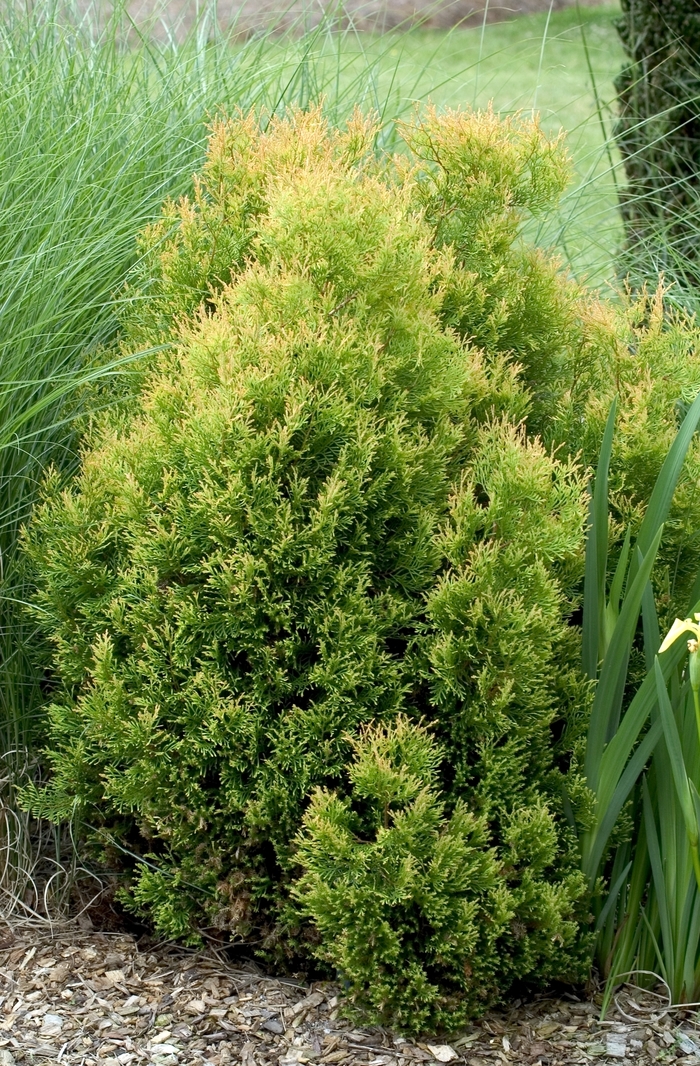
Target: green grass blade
609	691
607	928
596	841
665	486
597	556
692	942
612	610
612	897
618	582
620	747
678	769
666	957
650	623
13	429
621	959
695	797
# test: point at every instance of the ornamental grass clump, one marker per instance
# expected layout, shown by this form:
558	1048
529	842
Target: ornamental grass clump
308	595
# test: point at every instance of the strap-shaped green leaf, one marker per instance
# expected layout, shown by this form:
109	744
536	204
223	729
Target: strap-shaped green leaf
620	747
650	622
665	486
657	870
607	702
675	755
612	897
612	611
595	843
597	555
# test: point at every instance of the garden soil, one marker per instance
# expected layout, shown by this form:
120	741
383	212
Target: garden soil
83	998
250	16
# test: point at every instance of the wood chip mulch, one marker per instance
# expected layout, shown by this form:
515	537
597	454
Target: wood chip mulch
96	999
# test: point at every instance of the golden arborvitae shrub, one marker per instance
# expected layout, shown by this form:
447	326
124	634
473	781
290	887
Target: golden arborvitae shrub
315	684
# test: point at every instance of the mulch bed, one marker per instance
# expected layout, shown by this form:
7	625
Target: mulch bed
98	999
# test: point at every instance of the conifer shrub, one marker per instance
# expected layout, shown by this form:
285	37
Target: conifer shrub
387	849
573	351
479	177
647	354
412	904
309	596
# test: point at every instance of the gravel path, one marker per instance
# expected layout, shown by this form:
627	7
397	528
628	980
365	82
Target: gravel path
97	999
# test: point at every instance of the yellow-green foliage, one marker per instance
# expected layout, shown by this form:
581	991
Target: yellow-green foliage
389	847
323	518
413	906
475	177
574	352
650	358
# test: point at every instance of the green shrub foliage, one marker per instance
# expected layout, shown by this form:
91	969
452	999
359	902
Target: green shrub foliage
479	176
410	901
388	848
648	356
326	516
